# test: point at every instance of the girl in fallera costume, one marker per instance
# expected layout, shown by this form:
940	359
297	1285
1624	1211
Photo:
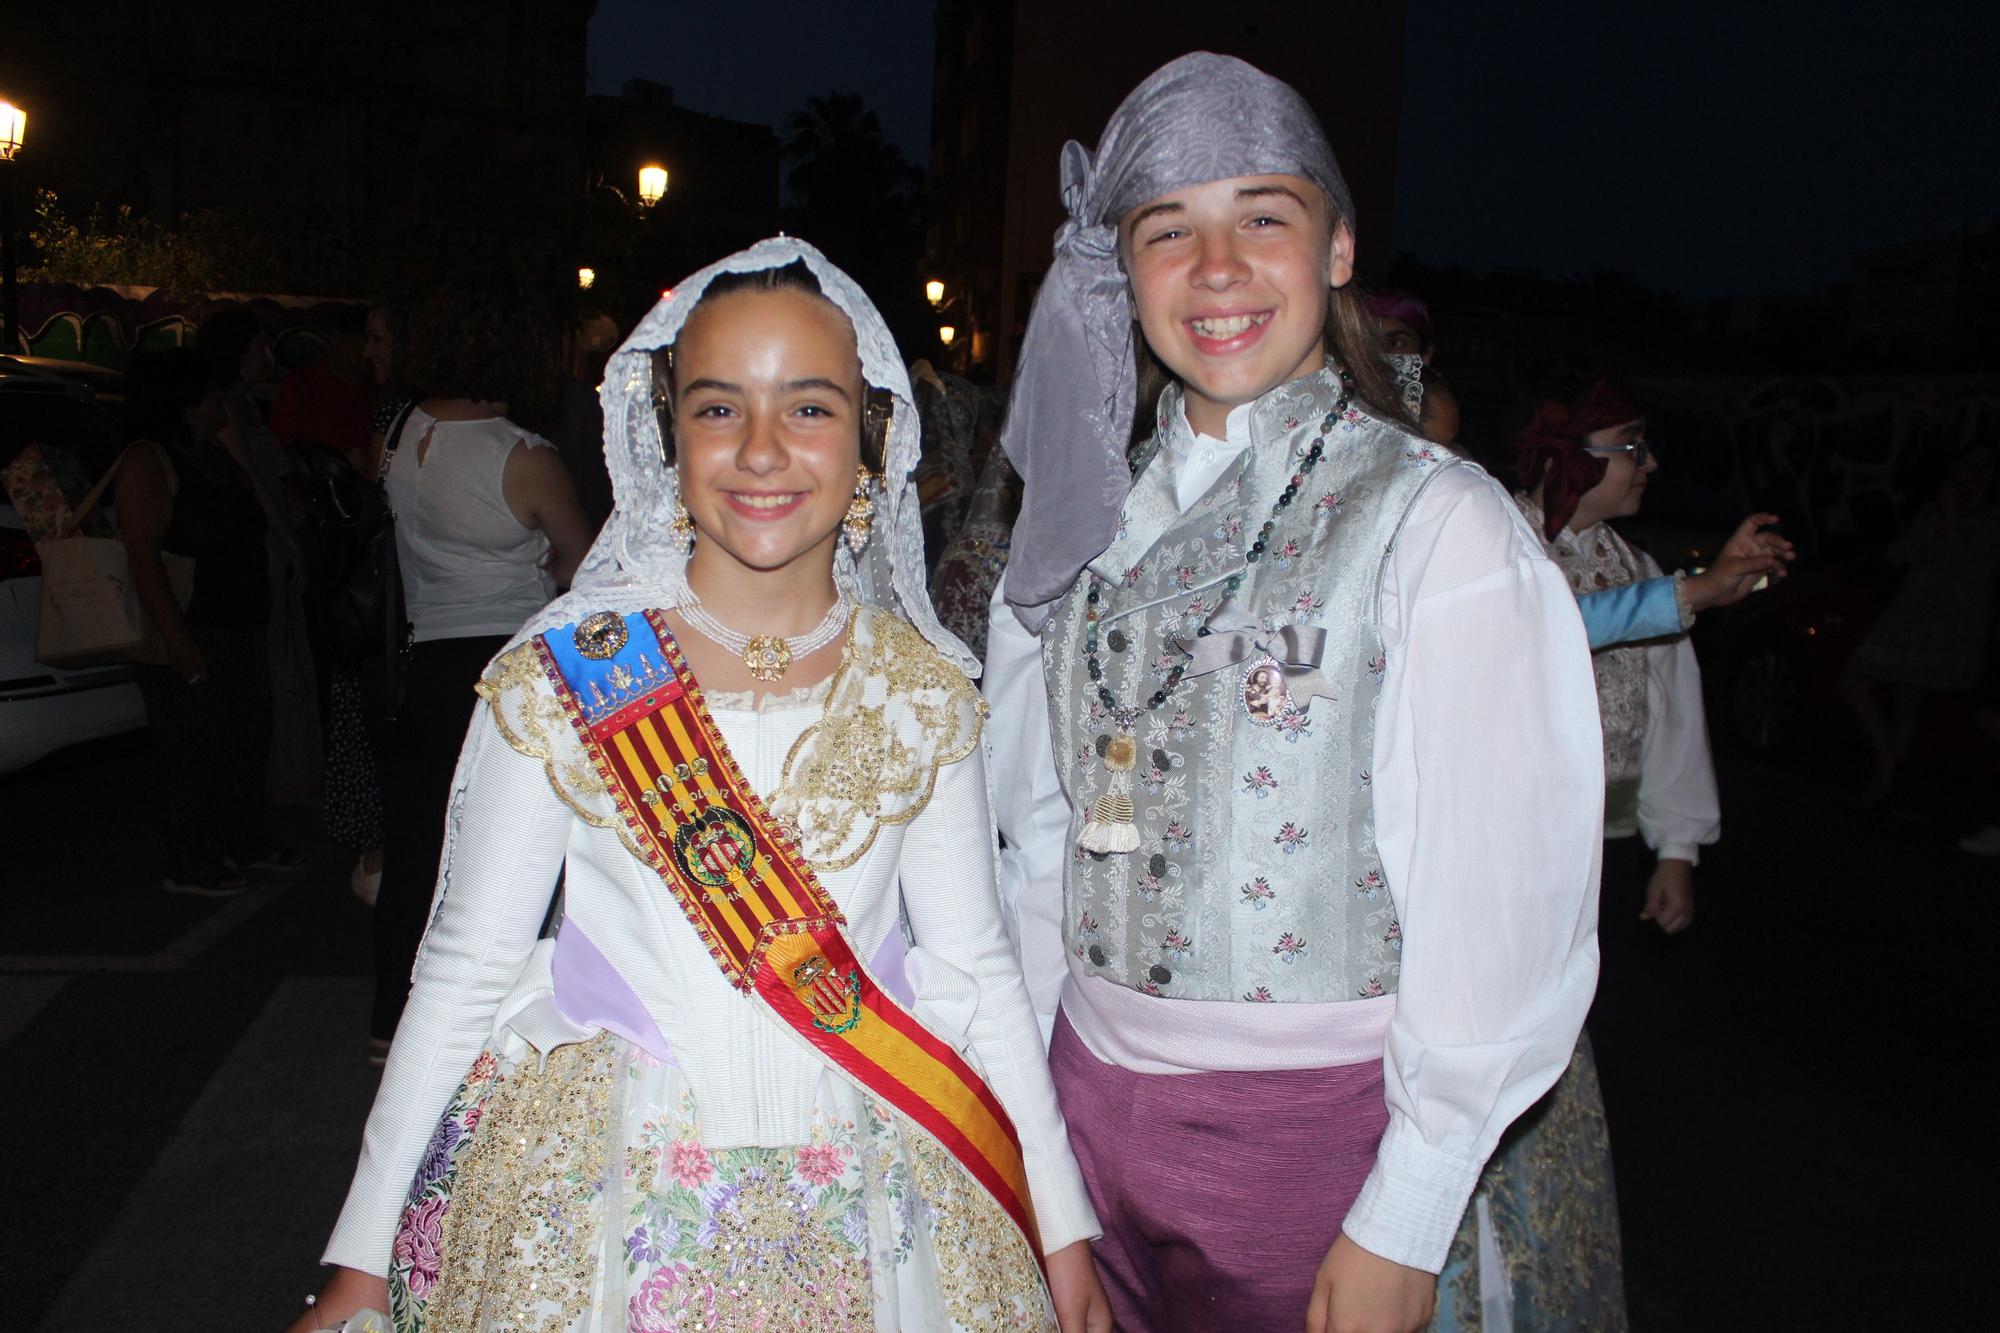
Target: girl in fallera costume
776	1067
1295	747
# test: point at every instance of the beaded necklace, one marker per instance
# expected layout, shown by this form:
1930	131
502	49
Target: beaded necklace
1109	827
768	656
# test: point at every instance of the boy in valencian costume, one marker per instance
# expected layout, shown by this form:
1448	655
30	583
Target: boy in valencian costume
1294	743
777	1067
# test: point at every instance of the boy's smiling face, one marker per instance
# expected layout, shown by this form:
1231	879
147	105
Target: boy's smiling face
1230	280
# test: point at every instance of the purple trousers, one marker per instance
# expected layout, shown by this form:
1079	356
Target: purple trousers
1220	1194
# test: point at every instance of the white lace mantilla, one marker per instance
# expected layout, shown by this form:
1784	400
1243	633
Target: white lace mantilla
636	560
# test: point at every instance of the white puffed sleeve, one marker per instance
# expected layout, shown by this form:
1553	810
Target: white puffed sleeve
1679	810
1489	799
949	895
505	836
1028	804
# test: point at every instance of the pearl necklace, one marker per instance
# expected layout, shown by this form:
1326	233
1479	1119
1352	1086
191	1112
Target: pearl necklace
767	656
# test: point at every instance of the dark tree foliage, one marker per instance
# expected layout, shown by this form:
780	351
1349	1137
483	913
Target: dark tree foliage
854	195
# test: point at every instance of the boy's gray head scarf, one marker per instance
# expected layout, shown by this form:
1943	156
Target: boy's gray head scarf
1200	118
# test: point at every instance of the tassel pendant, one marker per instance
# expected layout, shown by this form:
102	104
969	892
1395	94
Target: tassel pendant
1109	829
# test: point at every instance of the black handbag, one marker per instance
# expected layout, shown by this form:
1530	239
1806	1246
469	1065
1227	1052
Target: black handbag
365	619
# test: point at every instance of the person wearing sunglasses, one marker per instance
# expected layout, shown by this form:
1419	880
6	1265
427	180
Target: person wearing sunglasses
1661	607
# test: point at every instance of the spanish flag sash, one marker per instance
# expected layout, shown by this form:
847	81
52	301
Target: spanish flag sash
752	897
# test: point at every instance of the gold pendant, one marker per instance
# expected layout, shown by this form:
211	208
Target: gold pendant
767	656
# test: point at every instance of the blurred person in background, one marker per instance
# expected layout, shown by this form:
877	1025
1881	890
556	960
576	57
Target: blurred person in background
385	346
351	791
182	490
578	432
1404	323
327	400
1545	1212
1583	461
1932	637
237	350
970	568
948	405
487	529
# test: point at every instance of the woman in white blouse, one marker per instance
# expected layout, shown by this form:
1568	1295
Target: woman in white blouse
656	1133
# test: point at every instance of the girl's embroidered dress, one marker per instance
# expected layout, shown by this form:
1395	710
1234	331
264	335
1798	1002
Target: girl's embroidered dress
598	1131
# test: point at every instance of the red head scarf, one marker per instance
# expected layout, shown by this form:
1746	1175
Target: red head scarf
1554	439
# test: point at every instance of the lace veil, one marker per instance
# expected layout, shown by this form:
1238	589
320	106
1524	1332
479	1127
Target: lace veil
636	562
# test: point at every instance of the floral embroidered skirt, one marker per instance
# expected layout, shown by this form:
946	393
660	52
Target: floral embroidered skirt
575	1194
1550	1212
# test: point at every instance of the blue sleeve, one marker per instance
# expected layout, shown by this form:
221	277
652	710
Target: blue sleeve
1643	610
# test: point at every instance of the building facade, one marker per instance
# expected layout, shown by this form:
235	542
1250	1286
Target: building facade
365	137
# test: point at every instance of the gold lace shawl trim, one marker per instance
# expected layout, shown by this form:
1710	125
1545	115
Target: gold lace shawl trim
532	722
896	712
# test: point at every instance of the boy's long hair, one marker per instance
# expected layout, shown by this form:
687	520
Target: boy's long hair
1351	343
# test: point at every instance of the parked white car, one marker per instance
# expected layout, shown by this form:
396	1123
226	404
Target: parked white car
43	709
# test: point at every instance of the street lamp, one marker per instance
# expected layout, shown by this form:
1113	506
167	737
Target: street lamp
947	334
934	292
652	184
586	278
13	132
13	126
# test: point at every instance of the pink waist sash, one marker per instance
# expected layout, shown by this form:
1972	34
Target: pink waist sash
1150	1035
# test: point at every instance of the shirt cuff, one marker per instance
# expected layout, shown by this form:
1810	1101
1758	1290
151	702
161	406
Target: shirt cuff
1679	851
1681	599
1064	1217
1411	1204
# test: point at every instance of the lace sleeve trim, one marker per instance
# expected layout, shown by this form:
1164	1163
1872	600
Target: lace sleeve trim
532	722
897	712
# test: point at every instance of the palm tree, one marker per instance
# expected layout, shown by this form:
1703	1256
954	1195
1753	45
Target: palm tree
856	197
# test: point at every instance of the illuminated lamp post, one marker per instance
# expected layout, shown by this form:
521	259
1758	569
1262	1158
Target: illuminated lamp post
947	334
934	292
13	132
586	278
652	184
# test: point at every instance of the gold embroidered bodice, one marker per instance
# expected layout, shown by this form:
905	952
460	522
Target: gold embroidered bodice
895	711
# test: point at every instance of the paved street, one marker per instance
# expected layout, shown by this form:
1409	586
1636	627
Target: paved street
186	1082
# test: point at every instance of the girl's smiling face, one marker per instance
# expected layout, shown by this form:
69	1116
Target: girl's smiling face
1230	280
768	401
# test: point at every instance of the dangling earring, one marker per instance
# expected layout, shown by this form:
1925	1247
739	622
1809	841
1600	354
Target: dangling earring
860	512
682	527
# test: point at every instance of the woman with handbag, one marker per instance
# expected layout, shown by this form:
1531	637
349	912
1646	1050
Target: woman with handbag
179	491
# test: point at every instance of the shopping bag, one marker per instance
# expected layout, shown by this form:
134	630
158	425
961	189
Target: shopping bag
90	610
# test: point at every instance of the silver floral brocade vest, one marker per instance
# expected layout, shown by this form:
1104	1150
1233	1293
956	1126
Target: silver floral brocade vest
1256	876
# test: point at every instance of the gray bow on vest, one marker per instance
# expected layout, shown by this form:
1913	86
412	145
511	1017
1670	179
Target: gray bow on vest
1297	649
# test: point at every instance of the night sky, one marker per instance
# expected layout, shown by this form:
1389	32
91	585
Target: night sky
1707	147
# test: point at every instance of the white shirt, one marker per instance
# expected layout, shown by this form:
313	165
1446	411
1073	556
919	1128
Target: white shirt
469	567
1488	803
755	1083
1679	810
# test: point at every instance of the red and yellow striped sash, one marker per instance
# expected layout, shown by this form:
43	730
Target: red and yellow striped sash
753	898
